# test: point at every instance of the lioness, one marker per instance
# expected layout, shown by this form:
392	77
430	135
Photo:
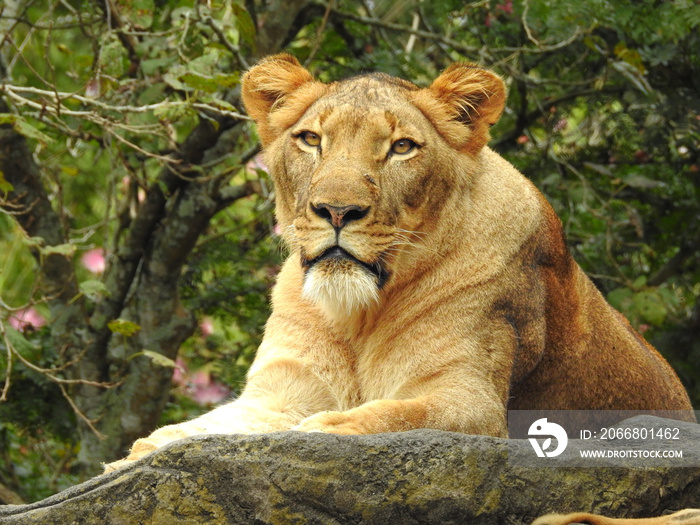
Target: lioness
428	284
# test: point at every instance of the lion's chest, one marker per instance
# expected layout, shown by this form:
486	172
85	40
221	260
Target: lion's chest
380	365
379	378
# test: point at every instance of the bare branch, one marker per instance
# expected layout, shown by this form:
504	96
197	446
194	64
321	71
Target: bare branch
523	19
58	97
234	50
80	414
458	46
46	372
319	33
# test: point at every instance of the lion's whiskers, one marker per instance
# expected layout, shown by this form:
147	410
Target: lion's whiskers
407	238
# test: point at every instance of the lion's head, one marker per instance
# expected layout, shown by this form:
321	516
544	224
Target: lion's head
365	168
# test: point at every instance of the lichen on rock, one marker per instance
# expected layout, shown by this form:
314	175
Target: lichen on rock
422	476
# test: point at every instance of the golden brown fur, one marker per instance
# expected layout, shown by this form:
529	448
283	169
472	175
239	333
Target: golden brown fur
453	297
683	517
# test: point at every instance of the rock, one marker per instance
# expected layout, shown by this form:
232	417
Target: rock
423	476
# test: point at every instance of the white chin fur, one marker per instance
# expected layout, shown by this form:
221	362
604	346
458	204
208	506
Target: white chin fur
340	288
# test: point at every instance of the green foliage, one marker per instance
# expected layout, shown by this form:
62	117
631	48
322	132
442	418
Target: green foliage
228	280
21	126
37	428
16	264
39	463
103	107
124	327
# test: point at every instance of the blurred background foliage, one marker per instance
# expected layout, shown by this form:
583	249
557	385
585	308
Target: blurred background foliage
603	116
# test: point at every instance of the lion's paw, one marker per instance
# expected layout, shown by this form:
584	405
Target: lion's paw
331	423
143	447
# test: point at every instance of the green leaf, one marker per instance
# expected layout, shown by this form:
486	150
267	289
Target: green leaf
113	58
5	187
158	359
599	168
171	78
94	289
21	344
209	84
138	12
70	170
24	128
244	23
640	282
152	66
631	56
641	182
62	249
650	306
620	298
173	111
124	327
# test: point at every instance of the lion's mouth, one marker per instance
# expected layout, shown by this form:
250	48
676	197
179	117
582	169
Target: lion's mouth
337	254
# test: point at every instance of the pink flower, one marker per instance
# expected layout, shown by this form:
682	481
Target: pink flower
199	386
204	391
200	379
180	372
561	125
257	163
210	394
94	260
506	7
206	326
26	319
92	89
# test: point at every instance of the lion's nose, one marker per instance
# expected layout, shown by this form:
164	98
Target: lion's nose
339	216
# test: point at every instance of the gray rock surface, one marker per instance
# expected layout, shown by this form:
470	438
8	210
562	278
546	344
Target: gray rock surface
422	476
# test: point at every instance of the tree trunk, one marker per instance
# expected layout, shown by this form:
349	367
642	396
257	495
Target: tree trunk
142	278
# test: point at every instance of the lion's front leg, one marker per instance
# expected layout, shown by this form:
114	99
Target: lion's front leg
371	418
239	417
453	411
278	396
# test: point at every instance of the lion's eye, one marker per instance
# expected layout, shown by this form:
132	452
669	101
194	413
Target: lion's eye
403	146
310	138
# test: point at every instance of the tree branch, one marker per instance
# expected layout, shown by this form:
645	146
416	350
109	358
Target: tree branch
525	120
115	21
675	263
458	46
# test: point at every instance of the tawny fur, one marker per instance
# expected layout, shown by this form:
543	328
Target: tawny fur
683	517
459	300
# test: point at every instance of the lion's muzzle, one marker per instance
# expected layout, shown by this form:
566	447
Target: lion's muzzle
340	283
339	257
339	216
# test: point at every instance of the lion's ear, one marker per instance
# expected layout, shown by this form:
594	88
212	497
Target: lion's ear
462	103
276	92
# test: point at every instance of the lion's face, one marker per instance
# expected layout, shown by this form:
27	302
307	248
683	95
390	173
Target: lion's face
353	163
363	169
